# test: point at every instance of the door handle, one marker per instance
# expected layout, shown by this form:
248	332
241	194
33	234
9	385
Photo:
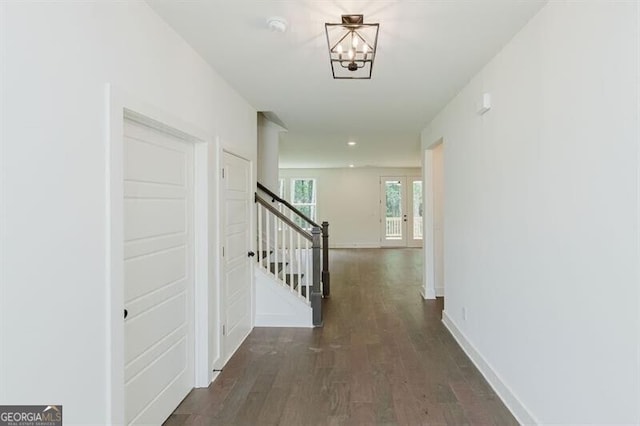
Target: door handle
251	254
126	313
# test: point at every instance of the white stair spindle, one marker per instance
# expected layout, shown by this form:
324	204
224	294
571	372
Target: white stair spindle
307	252
291	265
259	248
298	267
267	225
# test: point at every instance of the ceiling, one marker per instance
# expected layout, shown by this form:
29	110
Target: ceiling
427	51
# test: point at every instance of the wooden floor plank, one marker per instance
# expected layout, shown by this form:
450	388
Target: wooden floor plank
383	357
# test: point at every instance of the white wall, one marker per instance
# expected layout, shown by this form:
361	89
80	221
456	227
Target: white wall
541	216
56	60
268	150
438	217
349	199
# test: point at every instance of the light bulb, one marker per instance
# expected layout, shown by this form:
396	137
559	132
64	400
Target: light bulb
354	41
339	49
350	53
365	48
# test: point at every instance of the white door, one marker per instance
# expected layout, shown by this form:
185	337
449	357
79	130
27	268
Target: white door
158	272
393	211
236	264
401	211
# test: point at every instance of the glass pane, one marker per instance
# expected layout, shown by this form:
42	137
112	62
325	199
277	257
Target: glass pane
309	211
303	191
393	199
281	188
417	209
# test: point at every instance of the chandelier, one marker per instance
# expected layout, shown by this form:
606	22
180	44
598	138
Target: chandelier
352	47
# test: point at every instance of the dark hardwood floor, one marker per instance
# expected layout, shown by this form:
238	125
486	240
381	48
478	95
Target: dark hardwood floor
383	357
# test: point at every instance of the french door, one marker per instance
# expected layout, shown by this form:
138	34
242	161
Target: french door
401	211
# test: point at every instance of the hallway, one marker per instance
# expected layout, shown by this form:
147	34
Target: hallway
382	357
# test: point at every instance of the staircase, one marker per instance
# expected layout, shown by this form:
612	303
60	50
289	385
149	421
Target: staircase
292	264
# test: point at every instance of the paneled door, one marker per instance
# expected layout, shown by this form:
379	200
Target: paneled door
158	272
237	267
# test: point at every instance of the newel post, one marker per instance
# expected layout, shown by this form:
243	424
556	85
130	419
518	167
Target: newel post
316	292
326	277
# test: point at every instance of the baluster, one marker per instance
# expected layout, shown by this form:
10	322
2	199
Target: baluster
267	224
299	264
259	250
291	258
307	254
276	249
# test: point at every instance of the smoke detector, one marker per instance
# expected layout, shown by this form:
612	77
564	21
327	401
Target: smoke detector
277	24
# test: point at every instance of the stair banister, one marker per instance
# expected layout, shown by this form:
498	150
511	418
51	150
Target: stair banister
326	277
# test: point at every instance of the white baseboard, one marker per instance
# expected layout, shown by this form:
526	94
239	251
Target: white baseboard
355	245
427	294
440	291
281	320
517	408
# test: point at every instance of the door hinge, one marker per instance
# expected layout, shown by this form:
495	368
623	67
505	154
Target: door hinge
222	251
223	173
224	330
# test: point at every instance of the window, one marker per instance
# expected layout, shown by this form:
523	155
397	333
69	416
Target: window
303	197
281	188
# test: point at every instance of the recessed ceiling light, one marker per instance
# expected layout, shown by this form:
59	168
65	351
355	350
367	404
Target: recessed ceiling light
351	143
351	165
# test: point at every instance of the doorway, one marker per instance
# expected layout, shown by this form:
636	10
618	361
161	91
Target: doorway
158	272
401	211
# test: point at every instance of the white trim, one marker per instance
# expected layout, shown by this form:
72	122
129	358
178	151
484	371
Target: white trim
638	218
513	403
118	105
429	276
215	328
114	284
354	245
201	263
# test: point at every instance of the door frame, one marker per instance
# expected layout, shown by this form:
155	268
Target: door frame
121	105
223	357
429	231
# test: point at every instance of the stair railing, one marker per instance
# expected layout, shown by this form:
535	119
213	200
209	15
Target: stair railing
291	254
292	213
